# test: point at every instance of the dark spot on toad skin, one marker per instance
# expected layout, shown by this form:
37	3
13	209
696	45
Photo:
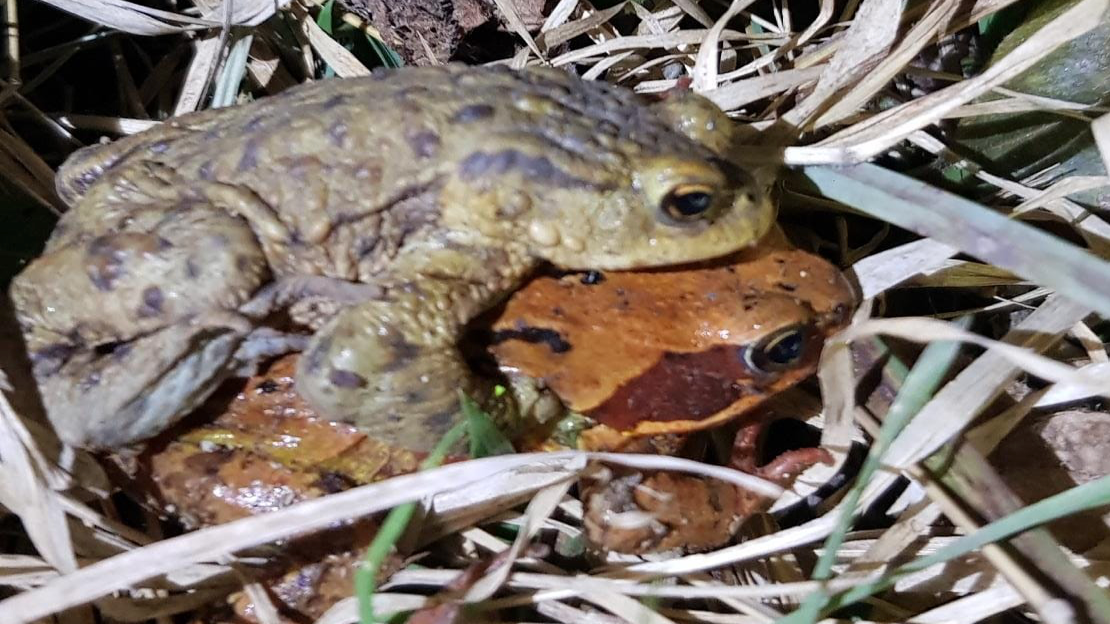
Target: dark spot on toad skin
106	258
335	101
49	359
788	287
439	422
425	144
337	132
535	335
341	378
255	123
401	352
249	159
473	112
364	246
120	350
394	417
537	169
242	263
205	171
192	271
268	386
152	302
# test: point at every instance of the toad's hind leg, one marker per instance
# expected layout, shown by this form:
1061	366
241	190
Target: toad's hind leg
131	329
391	365
371	367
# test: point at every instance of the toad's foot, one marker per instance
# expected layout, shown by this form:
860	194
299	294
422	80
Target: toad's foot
107	399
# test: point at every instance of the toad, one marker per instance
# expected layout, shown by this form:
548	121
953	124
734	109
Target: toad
379	214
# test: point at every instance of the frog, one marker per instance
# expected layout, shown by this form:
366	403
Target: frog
373	216
644	359
673	350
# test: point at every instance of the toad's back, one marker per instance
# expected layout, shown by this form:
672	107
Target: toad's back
334	152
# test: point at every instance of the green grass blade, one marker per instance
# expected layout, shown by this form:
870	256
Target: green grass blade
919	386
970	227
366	578
1090	495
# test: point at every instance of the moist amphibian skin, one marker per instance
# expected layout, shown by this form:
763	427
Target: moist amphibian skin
381	213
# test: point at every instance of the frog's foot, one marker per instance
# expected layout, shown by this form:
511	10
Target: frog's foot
106	399
784	468
399	386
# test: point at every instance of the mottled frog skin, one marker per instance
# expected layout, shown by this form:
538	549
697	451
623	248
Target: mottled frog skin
381	214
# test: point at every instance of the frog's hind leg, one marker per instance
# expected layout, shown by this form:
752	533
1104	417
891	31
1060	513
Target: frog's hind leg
131	329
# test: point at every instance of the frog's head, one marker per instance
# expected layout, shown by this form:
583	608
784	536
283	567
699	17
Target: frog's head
665	210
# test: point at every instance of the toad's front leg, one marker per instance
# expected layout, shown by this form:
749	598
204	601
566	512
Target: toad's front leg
391	366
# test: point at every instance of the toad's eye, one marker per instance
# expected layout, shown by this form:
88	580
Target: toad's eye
688	202
779	351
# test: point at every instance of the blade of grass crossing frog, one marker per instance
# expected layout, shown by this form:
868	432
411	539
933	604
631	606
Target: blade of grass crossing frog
391	529
485	438
971	228
1090	495
232	72
919	385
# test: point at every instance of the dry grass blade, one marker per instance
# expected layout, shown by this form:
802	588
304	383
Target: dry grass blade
708	58
736	94
24	490
1101	129
879	272
128	17
972	228
867	39
951	410
869	138
336	56
913	42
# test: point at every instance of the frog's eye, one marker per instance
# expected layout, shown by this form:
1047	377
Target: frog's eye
779	351
688	202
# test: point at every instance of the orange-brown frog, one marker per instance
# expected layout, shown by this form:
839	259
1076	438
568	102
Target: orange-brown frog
644	358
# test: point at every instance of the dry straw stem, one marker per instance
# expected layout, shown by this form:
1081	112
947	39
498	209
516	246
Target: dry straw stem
133	567
871	137
136	19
